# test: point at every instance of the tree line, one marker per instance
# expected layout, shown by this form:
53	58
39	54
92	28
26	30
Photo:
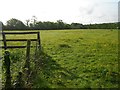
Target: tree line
15	24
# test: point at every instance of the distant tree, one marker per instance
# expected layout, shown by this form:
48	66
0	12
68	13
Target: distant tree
27	22
39	25
60	24
15	24
76	26
67	26
34	20
2	26
34	24
102	26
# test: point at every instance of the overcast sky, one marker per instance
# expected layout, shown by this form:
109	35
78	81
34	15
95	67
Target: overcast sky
80	11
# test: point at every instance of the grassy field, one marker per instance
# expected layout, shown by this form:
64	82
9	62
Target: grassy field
77	59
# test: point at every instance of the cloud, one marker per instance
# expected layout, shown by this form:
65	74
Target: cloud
88	10
99	12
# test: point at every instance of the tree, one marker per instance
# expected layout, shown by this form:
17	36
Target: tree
34	20
27	22
60	24
76	26
15	24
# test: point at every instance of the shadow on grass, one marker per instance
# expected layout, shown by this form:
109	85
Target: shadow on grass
50	74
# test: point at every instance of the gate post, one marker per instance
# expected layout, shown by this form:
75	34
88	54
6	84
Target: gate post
27	63
38	38
7	70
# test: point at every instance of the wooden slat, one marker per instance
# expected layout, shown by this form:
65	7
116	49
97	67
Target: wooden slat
20	32
15	47
19	40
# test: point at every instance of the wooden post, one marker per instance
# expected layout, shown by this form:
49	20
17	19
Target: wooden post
27	64
7	72
38	37
4	40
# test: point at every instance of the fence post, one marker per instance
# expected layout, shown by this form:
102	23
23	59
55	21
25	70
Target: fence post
27	63
7	71
4	39
38	38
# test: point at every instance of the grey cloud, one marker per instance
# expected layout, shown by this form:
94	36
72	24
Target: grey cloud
87	11
90	10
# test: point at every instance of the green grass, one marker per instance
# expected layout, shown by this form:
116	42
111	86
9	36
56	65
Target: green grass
78	59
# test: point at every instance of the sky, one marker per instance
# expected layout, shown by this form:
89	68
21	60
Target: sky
79	11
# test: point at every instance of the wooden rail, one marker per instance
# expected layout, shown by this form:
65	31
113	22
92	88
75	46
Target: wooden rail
19	40
18	33
15	47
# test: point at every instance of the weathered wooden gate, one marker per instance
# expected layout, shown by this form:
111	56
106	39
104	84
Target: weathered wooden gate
7	53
